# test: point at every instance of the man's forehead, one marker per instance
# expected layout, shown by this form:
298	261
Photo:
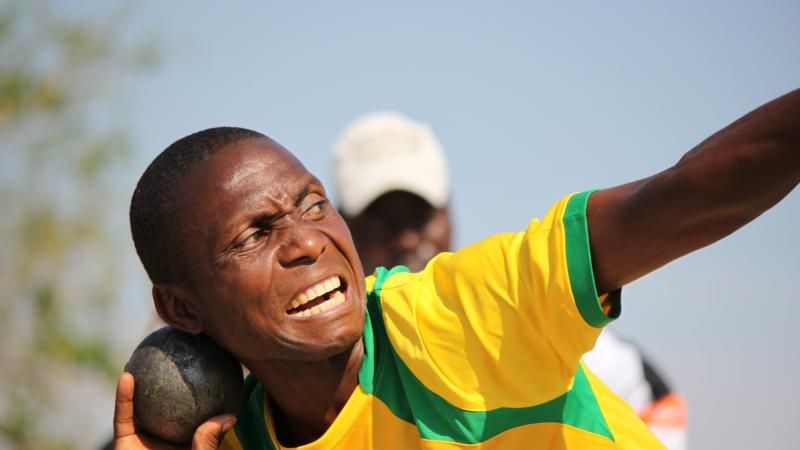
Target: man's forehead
245	180
243	171
247	162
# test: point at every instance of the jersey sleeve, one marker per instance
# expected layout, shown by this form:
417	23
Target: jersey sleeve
504	322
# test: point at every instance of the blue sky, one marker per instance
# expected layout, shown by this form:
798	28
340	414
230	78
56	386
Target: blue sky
531	101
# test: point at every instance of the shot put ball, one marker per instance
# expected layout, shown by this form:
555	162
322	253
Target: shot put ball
181	380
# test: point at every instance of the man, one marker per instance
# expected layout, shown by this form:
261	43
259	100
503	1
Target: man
480	350
391	180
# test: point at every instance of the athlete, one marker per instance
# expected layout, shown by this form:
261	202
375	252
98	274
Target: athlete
479	350
402	217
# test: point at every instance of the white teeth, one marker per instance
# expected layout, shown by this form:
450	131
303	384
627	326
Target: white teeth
335	300
315	291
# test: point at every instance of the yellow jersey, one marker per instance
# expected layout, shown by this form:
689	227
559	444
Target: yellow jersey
480	350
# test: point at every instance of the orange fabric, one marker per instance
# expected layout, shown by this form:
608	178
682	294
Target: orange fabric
669	411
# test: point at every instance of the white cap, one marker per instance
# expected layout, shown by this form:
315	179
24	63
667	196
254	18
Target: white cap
386	151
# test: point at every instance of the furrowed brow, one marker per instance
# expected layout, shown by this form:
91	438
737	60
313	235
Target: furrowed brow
302	194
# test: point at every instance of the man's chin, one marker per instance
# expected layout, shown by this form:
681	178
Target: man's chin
333	349
321	347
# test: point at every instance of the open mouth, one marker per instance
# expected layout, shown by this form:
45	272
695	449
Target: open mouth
318	298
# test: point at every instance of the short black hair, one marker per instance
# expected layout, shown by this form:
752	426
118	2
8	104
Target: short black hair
155	206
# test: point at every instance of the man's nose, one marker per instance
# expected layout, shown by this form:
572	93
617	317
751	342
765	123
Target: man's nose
303	245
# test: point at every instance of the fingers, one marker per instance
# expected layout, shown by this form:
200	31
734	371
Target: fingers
123	409
210	434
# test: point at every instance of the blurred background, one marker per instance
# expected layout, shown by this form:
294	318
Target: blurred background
531	101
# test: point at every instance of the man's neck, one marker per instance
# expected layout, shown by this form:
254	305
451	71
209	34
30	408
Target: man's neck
306	397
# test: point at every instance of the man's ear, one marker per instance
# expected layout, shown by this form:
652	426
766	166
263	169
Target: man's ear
175	306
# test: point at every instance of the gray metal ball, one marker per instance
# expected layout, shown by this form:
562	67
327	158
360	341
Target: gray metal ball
182	380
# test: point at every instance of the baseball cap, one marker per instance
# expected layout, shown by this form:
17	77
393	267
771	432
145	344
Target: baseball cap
385	151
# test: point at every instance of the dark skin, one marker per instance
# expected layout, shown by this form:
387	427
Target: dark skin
402	228
716	188
259	231
255	236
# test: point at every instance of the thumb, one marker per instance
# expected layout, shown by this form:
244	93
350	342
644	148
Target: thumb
210	434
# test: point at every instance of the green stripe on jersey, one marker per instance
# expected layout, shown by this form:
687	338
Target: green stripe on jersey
250	426
579	265
386	376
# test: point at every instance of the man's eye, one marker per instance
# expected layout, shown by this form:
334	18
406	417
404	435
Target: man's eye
316	210
253	239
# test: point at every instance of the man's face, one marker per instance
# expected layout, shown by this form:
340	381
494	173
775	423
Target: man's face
273	270
400	228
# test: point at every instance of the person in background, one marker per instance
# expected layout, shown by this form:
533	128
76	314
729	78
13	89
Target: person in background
392	185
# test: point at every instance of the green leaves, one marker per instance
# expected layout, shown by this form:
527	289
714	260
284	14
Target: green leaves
62	152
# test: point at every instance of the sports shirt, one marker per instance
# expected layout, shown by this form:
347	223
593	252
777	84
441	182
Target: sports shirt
480	350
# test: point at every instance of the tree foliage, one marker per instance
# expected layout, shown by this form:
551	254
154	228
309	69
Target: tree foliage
60	154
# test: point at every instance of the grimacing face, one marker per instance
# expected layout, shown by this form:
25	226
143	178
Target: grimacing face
274	272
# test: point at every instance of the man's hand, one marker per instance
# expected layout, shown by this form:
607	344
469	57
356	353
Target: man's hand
208	436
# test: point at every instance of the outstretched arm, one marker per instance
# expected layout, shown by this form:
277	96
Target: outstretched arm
725	182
